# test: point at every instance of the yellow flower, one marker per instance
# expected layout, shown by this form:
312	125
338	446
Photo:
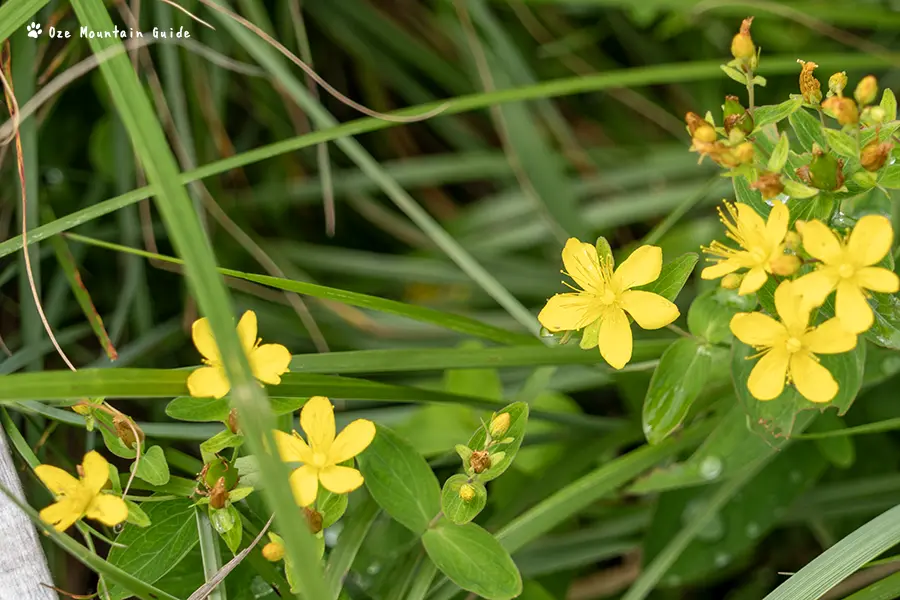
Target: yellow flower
761	242
77	498
322	457
789	347
604	298
268	361
847	267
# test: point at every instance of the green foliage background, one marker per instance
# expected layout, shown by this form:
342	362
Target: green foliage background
562	118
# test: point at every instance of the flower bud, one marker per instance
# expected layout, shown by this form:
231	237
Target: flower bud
784	265
499	425
220	468
699	128
843	109
218	495
809	85
866	90
873	115
874	155
824	171
127	430
313	519
837	83
466	492
732	281
273	551
792	240
233	425
744	153
742	44
736	116
769	185
480	461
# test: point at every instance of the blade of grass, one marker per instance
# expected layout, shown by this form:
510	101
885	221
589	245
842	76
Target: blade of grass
206	286
209	553
353	534
16	13
653	75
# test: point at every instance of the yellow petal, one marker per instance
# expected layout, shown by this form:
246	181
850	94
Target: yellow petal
815	286
615	338
108	509
269	362
649	310
208	382
642	267
812	380
766	380
792	308
757	330
246	330
305	485
878	279
852	309
753	280
568	312
96	471
819	241
62	514
355	438
204	340
583	265
57	481
317	420
720	269
870	240
777	225
748	220
292	448
829	338
340	480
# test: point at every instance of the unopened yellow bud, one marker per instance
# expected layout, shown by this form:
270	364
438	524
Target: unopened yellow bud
866	90
273	551
792	240
784	265
809	85
842	109
873	115
745	153
500	425
233	425
699	128
874	155
732	281
467	492
837	83
742	44
82	409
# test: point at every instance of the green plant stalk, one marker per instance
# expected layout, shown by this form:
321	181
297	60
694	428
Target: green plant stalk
209	552
349	543
207	287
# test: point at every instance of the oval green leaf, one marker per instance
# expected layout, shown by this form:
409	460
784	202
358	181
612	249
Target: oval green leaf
457	509
473	559
672	277
152	467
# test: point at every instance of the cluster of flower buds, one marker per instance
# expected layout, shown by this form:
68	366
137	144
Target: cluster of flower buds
731	152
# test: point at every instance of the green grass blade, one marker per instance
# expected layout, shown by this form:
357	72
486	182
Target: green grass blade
841	560
886	589
17	13
206	285
350	541
209	552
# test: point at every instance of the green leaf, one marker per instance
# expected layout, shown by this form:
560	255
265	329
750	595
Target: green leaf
738	76
455	508
110	439
779	154
679	378
331	506
709	316
885	589
151	552
842	559
222	440
473	559
400	480
766	115
838	449
227	522
821	207
502	451
744	194
198	410
889	105
153	467
808	130
890	177
797	190
776	417
136	515
842	143
673	276
739	526
16	13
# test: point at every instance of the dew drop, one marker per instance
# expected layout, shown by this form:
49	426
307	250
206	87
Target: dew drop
259	588
54	176
711	467
752	530
796	476
546	333
714	528
373	569
721	559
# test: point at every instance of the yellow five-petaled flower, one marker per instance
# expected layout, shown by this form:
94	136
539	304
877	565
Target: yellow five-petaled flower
848	268
268	361
321	458
605	296
77	498
761	246
789	347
